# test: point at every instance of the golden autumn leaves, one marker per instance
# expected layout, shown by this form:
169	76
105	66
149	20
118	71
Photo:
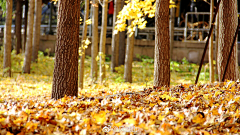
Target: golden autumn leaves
183	109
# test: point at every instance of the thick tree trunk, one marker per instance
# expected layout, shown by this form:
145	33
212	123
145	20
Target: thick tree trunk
28	50
122	46
115	37
103	40
7	39
84	37
129	58
36	30
65	75
18	24
211	66
162	44
94	49
228	20
25	26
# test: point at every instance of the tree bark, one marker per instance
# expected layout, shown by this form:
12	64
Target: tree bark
122	45
25	26
129	58
216	44
211	66
65	75
162	45
228	21
84	37
36	30
94	48
115	37
18	24
28	50
103	40
171	26
7	39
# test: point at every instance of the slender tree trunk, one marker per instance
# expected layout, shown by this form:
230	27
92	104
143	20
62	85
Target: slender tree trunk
211	66
162	44
36	30
18	24
7	39
171	26
129	58
65	75
122	45
216	44
228	20
115	37
94	49
103	40
84	37
28	50
25	26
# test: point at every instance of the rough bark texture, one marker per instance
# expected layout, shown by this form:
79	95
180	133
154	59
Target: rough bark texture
36	30
18	24
7	39
227	26
103	40
115	37
162	44
65	75
94	49
122	45
129	58
84	37
28	49
25	26
211	66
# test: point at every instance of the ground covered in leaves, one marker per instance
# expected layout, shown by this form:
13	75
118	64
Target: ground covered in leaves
117	107
183	109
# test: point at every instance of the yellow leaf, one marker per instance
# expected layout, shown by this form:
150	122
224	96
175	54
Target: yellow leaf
130	121
153	117
8	133
160	117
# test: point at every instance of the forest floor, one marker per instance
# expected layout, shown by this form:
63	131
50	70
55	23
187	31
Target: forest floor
26	106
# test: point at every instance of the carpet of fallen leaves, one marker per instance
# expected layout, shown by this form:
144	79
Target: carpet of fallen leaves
117	108
183	109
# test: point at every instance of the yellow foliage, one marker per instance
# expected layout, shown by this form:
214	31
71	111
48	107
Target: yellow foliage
136	10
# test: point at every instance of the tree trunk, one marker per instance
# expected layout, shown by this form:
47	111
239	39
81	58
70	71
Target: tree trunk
28	50
84	37
162	44
171	26
36	30
18	24
94	49
228	20
7	39
211	66
103	40
216	44
115	37
65	75
129	58
25	26
122	45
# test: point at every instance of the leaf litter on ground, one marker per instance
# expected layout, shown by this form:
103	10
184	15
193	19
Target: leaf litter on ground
27	108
